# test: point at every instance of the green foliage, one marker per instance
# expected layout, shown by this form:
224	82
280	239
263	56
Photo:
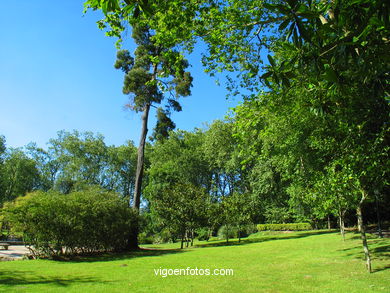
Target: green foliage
90	220
154	71
19	175
179	159
163	126
227	232
181	208
203	234
2	147
73	159
219	148
274	215
143	238
284	227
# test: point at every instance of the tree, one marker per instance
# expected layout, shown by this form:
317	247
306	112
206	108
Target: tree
77	158
122	168
235	213
47	164
224	162
183	208
19	175
2	154
154	70
2	147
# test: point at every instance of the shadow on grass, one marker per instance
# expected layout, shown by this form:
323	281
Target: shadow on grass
384	268
265	238
379	250
143	252
14	278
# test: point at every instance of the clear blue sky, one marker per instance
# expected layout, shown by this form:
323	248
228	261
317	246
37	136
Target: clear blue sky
56	73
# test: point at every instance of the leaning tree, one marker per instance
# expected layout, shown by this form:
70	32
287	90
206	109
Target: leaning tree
156	74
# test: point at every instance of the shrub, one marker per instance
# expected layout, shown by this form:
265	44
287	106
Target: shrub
203	234
164	236
284	227
143	238
85	221
227	231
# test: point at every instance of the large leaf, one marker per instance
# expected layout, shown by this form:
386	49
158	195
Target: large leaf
271	60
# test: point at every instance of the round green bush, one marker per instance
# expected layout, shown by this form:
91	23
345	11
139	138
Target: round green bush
85	221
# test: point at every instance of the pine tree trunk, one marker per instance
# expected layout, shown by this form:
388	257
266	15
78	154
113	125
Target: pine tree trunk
363	234
140	159
133	241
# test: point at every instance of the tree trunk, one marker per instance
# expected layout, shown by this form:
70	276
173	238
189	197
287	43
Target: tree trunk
363	234
187	239
182	240
133	241
378	218
209	234
329	227
227	234
140	160
341	223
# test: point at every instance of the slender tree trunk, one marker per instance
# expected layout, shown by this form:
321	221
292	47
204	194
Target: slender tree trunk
182	240
363	233
209	234
141	158
133	241
329	227
187	239
227	234
378	217
341	223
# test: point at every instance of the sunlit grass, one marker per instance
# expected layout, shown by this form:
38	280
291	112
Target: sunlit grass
265	262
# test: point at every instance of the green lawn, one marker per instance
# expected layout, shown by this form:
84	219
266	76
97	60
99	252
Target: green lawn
267	262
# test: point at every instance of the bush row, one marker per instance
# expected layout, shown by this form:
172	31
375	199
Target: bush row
284	227
80	222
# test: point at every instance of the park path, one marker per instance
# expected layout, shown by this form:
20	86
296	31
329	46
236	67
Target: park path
14	252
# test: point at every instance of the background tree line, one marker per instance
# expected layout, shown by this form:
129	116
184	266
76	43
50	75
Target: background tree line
195	182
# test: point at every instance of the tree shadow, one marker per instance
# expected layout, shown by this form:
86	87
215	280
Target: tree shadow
379	269
264	238
142	252
15	278
379	250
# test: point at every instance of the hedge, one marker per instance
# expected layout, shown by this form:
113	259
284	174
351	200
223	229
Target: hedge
284	227
81	222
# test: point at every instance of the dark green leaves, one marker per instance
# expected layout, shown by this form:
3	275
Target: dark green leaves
329	74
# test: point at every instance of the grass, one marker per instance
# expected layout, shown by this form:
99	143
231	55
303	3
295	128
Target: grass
264	262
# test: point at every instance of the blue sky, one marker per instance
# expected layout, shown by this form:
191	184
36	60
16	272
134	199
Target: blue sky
56	73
